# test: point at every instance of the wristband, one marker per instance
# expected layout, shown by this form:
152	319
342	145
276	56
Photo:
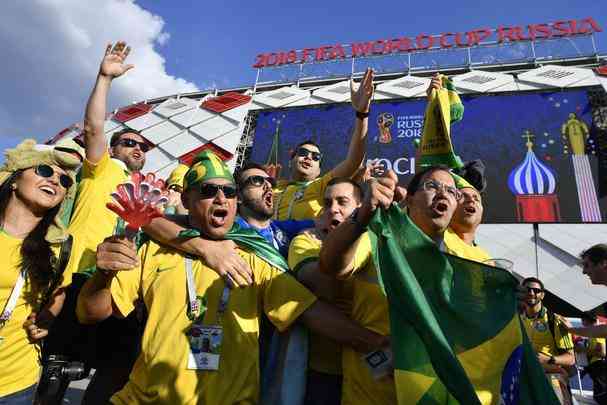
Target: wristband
552	360
362	115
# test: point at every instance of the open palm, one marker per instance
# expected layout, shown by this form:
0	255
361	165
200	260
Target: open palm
361	97
113	64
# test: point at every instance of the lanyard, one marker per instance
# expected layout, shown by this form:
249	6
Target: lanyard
301	189
12	300
193	303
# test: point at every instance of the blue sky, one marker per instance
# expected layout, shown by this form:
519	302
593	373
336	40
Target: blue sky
52	49
216	42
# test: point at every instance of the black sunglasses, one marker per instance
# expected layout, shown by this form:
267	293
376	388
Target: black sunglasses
47	171
535	290
303	152
208	190
131	143
258	181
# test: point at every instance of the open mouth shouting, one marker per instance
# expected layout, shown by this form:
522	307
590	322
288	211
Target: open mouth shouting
469	210
218	217
268	198
333	224
439	207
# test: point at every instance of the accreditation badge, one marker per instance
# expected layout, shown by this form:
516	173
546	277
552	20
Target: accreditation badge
205	347
379	363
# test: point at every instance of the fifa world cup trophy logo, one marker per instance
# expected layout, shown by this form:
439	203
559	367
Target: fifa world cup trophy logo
384	123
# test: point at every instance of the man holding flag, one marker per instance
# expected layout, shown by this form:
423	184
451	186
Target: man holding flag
455	332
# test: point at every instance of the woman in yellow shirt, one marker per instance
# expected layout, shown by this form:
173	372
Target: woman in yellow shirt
34	180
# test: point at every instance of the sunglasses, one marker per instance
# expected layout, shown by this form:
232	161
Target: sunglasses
131	143
47	171
303	152
258	181
208	190
536	291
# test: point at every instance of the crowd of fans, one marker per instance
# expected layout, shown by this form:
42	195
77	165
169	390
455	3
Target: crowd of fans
203	307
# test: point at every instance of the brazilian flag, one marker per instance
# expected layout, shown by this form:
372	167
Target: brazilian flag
455	331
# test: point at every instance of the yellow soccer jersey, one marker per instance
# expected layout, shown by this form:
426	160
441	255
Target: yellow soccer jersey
91	221
325	354
300	200
370	309
18	357
460	248
592	346
540	336
160	375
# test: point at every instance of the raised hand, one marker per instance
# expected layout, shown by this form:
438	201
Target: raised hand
112	65
380	194
361	97
435	84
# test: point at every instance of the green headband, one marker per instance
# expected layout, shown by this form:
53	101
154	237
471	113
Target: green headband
206	166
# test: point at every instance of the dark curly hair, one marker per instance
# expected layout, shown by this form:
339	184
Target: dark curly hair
37	258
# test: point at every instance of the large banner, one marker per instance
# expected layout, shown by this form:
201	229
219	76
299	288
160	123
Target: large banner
539	148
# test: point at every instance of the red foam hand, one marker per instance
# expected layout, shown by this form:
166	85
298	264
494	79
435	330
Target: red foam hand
137	200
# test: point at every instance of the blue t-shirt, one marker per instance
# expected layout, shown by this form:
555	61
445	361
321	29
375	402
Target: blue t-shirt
279	233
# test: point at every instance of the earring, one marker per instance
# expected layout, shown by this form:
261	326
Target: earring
13	186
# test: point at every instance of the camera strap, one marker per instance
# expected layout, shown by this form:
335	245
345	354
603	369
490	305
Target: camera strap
12	300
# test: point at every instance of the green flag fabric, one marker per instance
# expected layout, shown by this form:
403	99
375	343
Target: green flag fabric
455	331
250	240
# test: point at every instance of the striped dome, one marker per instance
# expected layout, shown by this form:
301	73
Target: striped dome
532	176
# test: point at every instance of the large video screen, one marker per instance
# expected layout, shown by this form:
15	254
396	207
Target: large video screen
539	148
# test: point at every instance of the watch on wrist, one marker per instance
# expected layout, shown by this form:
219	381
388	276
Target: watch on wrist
362	115
552	360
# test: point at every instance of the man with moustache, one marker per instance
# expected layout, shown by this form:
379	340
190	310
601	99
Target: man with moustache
324	379
431	201
301	196
200	344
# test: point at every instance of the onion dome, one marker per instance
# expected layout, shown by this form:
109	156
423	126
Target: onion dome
531	176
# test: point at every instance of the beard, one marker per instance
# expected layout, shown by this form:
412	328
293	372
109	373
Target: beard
258	208
134	165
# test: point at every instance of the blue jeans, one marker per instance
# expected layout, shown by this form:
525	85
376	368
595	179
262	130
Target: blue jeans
23	397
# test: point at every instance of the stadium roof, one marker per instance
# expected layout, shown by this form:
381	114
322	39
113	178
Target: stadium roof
181	125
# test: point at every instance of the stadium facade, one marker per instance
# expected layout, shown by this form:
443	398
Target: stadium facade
537	59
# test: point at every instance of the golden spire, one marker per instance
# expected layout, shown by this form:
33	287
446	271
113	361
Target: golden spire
528	135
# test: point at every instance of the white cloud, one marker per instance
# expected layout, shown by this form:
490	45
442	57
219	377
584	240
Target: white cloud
51	53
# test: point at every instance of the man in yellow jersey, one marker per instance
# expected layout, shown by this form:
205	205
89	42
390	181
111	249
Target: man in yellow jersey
324	381
301	196
549	337
200	344
431	200
596	367
461	234
103	169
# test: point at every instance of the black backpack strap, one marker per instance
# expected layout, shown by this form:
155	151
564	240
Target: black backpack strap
59	268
